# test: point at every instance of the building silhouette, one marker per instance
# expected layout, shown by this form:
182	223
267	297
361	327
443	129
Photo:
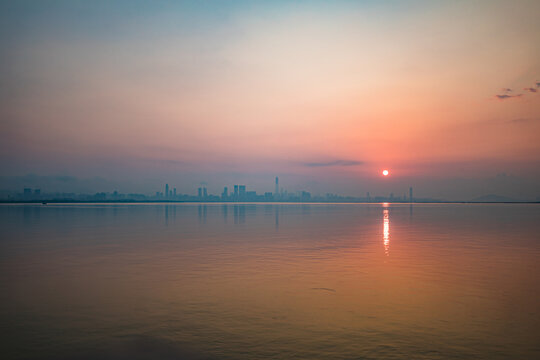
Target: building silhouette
225	193
242	191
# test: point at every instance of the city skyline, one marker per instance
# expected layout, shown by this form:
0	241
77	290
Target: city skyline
239	193
99	186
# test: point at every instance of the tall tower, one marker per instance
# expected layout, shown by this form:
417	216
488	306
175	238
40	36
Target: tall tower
276	192
166	190
410	194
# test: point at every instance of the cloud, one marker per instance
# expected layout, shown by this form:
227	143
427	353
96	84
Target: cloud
334	163
538	84
523	120
506	90
530	89
506	97
518	121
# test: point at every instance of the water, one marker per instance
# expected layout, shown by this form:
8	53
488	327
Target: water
320	281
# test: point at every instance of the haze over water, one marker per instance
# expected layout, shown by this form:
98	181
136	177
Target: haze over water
248	281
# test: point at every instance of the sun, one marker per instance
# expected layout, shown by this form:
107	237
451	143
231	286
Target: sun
385	172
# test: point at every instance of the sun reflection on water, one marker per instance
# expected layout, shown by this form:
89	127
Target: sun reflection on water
386	231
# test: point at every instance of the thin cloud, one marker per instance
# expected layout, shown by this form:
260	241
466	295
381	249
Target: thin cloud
522	120
530	89
506	97
518	121
334	163
506	90
538	84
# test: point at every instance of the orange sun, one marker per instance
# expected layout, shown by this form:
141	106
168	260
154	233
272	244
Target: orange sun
385	172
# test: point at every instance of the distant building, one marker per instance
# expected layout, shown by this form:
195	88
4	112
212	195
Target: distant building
225	193
37	192
166	190
100	196
236	191
242	191
174	192
276	191
199	192
410	194
27	191
205	193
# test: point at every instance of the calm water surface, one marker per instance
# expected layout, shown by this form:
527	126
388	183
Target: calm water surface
331	281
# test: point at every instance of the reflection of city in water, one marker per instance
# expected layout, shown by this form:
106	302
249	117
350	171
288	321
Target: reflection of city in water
386	231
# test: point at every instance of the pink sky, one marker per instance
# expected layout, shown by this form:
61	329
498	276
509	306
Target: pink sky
262	90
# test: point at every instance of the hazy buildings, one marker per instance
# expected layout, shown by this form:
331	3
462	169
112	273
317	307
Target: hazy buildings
225	193
240	194
242	191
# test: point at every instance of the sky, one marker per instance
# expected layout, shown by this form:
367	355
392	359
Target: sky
129	95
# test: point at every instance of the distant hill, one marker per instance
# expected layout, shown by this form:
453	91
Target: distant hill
493	198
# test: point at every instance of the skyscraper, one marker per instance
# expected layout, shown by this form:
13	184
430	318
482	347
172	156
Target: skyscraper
199	192
236	191
242	190
205	192
276	192
166	190
410	194
225	193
